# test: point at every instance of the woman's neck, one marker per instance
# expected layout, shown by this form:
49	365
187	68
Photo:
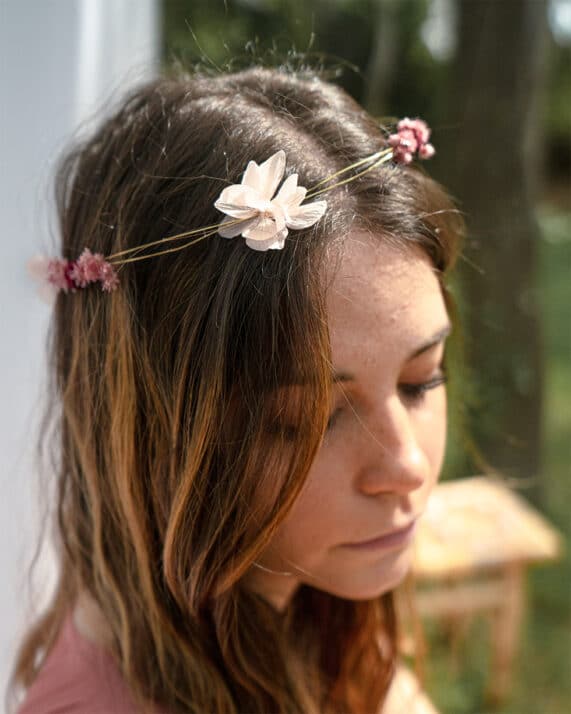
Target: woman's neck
90	621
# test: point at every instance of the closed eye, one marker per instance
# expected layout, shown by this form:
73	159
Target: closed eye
411	392
333	418
415	392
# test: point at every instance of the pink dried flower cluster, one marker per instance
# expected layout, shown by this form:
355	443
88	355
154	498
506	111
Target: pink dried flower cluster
57	274
411	138
92	268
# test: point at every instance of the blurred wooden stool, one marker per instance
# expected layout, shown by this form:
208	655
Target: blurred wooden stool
472	547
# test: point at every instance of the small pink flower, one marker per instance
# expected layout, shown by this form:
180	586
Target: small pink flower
108	277
55	274
426	151
406	138
418	126
87	268
402	156
58	274
52	275
412	137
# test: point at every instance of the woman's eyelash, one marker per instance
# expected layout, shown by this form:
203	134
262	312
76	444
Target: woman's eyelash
416	392
333	418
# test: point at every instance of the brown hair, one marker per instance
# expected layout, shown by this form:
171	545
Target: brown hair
164	394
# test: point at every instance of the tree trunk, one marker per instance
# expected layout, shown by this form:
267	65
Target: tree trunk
490	163
381	64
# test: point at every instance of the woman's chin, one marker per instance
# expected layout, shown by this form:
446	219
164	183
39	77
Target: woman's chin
371	580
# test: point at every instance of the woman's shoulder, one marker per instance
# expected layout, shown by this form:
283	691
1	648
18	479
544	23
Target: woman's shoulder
78	677
406	695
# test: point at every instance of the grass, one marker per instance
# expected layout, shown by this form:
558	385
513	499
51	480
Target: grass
543	672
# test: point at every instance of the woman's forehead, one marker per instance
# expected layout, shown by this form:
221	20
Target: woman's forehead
382	298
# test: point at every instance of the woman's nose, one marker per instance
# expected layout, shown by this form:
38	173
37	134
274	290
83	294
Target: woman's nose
393	460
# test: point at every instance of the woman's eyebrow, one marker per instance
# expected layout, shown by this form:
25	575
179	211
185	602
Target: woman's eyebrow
432	342
342	377
436	339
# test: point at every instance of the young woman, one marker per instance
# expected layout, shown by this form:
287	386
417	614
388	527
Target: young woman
250	416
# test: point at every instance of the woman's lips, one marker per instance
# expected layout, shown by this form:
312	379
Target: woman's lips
397	538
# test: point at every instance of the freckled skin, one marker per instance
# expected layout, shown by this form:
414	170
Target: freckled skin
381	456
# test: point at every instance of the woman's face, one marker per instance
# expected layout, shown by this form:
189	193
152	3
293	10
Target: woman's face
384	446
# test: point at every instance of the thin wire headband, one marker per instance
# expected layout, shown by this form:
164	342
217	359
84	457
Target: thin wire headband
252	209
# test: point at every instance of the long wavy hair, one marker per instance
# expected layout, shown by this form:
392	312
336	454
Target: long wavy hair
165	424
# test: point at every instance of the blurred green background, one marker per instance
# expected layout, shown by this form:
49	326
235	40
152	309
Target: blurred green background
493	79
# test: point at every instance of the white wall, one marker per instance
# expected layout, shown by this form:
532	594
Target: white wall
58	60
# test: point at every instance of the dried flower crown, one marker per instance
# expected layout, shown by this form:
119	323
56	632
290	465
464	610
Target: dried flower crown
253	210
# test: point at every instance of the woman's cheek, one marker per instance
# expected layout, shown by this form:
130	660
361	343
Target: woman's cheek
431	426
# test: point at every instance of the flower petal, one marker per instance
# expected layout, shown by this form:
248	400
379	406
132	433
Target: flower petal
252	176
271	173
237	200
38	266
276	242
236	211
306	216
263	229
288	188
426	151
235	229
290	194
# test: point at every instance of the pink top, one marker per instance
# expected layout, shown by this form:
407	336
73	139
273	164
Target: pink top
78	677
